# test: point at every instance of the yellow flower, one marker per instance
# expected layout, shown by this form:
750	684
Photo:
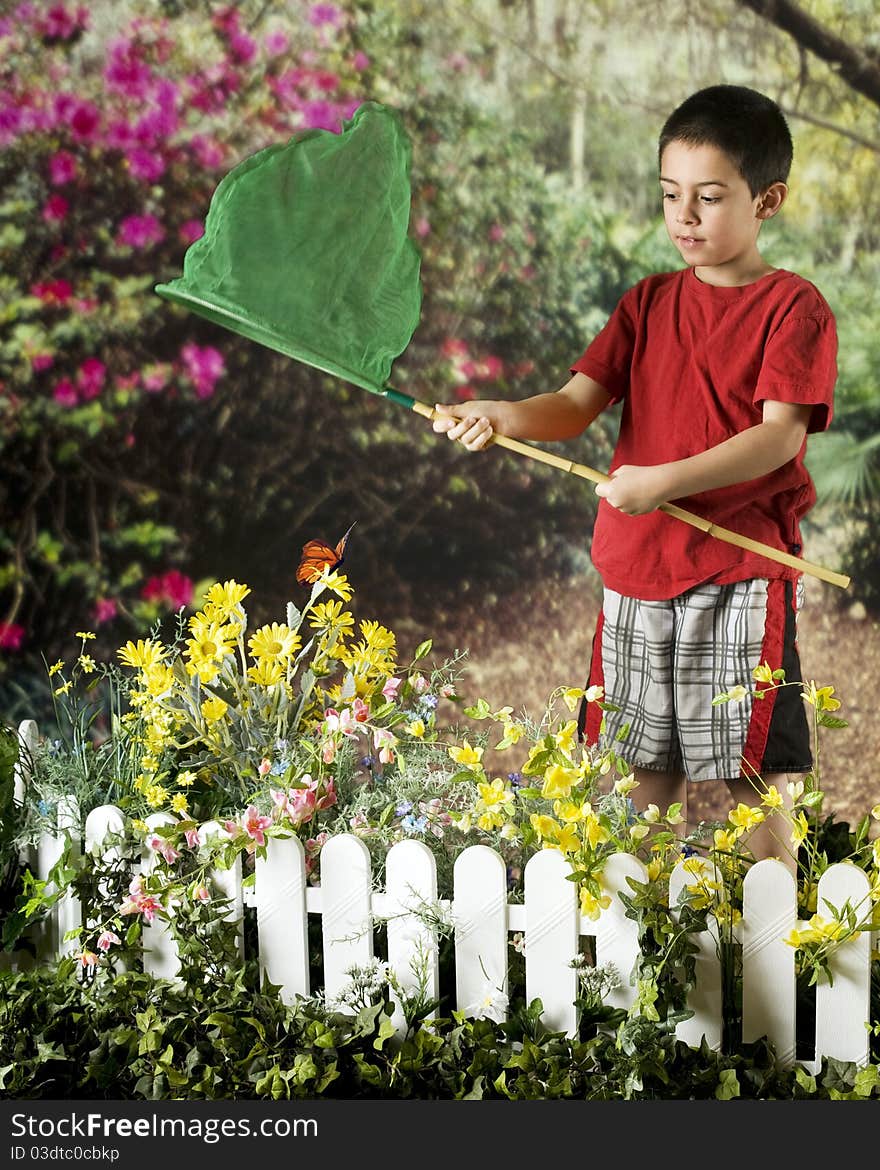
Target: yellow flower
566	737
772	798
654	868
544	826
571	696
794	938
276	642
737	694
594	833
156	795
142	654
86	635
799	828
567	839
512	732
744	817
763	673
224	599
490	819
59	665
64	688
337	583
416	729
820	697
558	782
467	756
214	709
495	793
87	663
875	812
267	672
179	803
725	913
625	785
139	826
570	810
377	636
158	679
724	841
591	906
186	779
329	615
698	866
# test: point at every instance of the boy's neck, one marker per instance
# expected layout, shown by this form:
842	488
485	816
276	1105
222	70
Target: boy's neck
733	276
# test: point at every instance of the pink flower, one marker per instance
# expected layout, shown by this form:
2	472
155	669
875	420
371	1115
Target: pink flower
265	767
276	43
419	683
496	233
244	48
171	588
55	209
52	292
145	164
360	61
60	25
90	378
360	710
83	119
155	378
328	755
107	939
42	361
301	805
452	347
201	894
329	798
140	231
65	393
204	366
392	686
326	14
384	741
88	959
422	227
336	721
208	152
62	168
191	230
160	845
254	824
138	902
105	610
11	636
193	840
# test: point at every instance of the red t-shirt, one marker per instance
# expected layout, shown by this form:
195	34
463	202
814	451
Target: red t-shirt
692	364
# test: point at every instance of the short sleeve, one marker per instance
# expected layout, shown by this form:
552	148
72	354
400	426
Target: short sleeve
800	365
608	357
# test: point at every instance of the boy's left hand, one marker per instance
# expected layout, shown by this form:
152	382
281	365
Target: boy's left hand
636	490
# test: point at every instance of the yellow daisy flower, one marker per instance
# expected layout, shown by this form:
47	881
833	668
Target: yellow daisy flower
226	598
276	641
267	672
214	709
141	654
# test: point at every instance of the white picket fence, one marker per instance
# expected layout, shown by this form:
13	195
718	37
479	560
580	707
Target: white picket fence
483	921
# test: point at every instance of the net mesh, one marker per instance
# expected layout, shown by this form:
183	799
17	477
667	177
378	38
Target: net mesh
306	249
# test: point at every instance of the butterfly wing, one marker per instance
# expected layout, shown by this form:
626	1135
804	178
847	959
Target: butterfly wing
317	556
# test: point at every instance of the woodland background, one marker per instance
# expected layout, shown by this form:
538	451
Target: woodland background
145	451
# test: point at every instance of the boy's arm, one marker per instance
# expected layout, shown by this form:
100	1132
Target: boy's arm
747	455
559	414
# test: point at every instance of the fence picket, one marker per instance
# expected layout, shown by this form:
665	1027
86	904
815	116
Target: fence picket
552	937
479	908
346	920
228	884
410	883
617	937
102	823
705	999
768	970
160	954
843	1007
282	920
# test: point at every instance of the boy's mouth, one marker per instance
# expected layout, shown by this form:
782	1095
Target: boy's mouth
690	241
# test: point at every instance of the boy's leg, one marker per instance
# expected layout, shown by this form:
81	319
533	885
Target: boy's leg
772	838
661	789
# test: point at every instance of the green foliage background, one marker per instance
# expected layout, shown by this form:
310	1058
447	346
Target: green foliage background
534	207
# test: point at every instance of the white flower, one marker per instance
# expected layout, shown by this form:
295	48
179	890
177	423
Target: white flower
492	1005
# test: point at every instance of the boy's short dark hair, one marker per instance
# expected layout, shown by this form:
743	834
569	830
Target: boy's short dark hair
747	125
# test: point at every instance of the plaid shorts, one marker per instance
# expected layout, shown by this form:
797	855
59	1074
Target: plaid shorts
662	663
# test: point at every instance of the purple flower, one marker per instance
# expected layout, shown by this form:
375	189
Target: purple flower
325	14
140	231
191	230
62	168
204	365
145	164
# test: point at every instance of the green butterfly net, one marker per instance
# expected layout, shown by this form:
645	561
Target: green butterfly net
306	250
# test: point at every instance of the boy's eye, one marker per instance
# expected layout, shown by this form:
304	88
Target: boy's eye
709	198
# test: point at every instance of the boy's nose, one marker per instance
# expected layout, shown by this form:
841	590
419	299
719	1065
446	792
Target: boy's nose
686	214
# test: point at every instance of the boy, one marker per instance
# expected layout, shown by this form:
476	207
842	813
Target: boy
723	367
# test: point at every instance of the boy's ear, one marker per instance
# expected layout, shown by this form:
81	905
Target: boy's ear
771	201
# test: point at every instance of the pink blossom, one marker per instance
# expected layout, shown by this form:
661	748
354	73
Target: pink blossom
42	361
83	119
160	845
384	740
419	683
392	686
254	824
125	72
326	14
360	61
191	230
65	393
107	939
105	610
145	164
140	231
193	840
447	691
360	710
11	636
172	588
452	347
204	365
276	43
422	227
60	25
88	959
329	798
155	377
339	721
138	902
201	894
496	233
265	766
62	168
244	48
301	805
55	209
328	755
208	152
90	377
52	292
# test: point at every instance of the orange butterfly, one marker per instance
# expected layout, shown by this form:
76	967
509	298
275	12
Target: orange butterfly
318	556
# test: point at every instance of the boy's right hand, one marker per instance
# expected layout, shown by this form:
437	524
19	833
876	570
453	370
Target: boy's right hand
473	424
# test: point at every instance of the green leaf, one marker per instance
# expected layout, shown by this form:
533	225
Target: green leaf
728	1085
423	649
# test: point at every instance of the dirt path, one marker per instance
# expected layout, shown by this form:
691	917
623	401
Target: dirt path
522	647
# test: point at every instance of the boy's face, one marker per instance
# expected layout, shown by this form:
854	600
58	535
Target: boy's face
711	216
